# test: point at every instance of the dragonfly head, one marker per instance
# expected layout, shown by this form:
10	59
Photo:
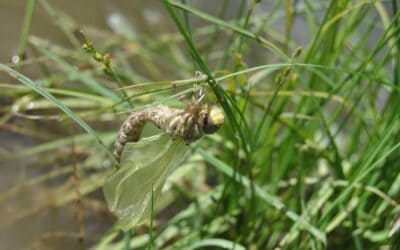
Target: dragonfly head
211	120
201	120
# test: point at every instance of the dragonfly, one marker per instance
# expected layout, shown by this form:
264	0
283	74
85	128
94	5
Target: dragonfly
146	163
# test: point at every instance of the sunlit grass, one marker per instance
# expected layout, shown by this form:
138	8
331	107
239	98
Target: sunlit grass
307	159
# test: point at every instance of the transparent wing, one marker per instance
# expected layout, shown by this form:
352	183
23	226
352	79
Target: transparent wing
144	167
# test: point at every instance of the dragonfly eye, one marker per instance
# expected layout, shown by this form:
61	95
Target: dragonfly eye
213	120
205	122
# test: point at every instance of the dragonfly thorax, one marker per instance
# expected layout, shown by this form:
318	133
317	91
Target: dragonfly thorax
188	124
195	121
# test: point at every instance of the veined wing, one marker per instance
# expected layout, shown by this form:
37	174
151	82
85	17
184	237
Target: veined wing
144	167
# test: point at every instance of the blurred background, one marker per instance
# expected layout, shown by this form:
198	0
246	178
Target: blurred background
29	217
42	150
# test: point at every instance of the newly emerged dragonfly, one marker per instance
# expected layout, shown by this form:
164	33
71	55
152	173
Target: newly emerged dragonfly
145	164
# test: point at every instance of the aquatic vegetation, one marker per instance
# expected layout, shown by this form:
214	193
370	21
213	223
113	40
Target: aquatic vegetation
307	157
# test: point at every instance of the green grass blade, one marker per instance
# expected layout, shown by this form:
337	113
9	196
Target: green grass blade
262	194
83	77
38	89
216	243
230	26
30	7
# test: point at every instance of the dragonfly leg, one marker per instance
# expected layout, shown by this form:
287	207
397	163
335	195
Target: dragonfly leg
174	127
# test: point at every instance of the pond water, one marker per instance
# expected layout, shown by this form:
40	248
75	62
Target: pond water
26	219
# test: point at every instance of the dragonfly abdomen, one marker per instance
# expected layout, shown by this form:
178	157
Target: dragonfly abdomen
188	124
130	130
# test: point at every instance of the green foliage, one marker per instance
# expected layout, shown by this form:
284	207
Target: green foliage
308	157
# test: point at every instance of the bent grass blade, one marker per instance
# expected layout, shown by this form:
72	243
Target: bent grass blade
145	165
